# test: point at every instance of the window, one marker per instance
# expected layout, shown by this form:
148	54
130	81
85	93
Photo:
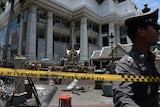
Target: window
63	39
90	40
62	22
123	35
96	28
104	28
78	25
40	32
68	39
56	38
105	41
16	21
89	25
93	26
76	46
123	40
77	39
94	40
41	14
25	15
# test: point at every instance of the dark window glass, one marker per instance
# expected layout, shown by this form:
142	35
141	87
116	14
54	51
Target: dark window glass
104	28
41	14
96	28
63	39
94	41
16	21
25	15
56	38
77	40
59	21
123	40
90	40
76	46
105	41
68	39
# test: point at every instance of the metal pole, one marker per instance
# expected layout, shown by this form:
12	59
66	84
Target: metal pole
8	34
112	51
112	64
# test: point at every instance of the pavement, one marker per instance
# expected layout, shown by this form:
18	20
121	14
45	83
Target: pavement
89	97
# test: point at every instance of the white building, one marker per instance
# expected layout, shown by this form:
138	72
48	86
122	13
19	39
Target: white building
45	28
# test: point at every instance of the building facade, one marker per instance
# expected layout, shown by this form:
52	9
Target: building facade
46	28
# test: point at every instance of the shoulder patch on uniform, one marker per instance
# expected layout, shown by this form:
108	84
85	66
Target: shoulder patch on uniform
127	59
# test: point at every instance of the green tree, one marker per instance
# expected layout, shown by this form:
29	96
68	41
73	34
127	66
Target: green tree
2	5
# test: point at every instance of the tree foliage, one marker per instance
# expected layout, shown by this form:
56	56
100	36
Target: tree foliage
2	5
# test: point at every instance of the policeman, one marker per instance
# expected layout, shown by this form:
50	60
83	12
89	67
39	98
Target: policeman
143	32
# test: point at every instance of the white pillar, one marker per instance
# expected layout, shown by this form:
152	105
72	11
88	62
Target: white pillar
83	40
117	34
73	35
49	37
20	35
2	48
100	36
112	30
31	34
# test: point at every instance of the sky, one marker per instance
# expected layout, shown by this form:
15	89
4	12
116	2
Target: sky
152	4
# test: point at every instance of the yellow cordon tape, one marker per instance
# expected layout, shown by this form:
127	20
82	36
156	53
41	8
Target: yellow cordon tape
83	76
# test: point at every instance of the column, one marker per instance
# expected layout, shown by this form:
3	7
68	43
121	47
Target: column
117	37
49	37
83	40
112	30
100	36
73	35
20	35
2	47
31	34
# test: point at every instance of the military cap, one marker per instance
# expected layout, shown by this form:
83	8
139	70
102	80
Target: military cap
148	18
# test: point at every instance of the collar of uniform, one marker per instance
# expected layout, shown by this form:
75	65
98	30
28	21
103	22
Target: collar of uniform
139	54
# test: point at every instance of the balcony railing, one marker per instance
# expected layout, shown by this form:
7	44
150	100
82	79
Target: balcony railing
63	30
